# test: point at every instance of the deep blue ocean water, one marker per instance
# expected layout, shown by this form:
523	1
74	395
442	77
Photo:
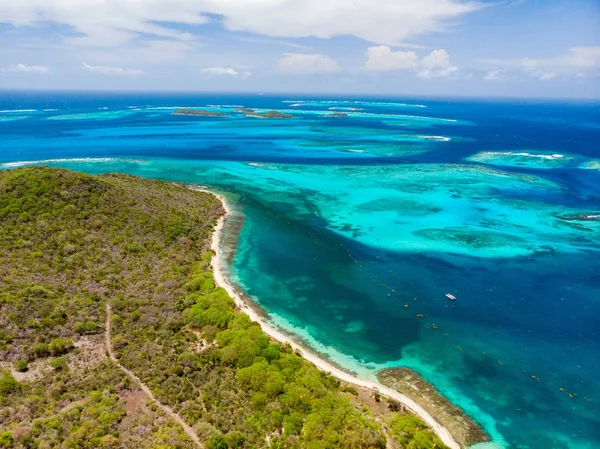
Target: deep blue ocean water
356	228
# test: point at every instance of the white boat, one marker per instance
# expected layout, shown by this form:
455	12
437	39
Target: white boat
449	296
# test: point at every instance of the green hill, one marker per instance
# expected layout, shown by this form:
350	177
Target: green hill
71	244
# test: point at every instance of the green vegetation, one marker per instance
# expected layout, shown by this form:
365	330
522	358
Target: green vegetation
269	114
73	242
199	113
412	433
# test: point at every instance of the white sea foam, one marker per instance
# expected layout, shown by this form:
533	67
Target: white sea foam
489	445
171	108
524	154
342	108
50	110
56	161
168	108
438	138
266	166
365	114
12	118
224	106
369	103
17	110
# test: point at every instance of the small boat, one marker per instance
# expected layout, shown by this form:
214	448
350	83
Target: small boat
449	296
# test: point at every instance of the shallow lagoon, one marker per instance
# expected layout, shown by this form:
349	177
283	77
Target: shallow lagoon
348	248
524	158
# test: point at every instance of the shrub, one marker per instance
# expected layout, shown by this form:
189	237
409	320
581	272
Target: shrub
235	439
58	364
6	439
216	441
41	350
350	389
60	346
21	365
394	405
8	384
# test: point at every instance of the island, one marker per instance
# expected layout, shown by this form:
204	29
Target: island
338	114
118	330
199	113
269	114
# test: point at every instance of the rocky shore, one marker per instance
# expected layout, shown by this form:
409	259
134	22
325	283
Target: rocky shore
464	430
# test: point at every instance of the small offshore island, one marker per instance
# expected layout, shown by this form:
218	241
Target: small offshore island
245	111
114	332
199	113
269	114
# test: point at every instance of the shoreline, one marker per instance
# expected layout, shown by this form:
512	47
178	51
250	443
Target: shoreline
323	365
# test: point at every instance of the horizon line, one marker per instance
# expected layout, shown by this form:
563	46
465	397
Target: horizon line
287	93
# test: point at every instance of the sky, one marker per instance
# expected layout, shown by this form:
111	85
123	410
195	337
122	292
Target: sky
507	48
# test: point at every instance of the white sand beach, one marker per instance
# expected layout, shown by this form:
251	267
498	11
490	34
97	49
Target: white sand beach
309	355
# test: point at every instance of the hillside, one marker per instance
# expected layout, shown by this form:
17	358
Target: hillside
73	248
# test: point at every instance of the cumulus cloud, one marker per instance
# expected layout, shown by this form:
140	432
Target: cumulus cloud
383	59
109	22
28	68
434	65
577	62
107	70
303	64
436	59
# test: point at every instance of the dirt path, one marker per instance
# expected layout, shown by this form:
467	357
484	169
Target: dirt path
168	410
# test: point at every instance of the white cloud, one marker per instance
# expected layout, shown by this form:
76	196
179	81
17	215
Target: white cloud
577	62
107	70
268	41
303	64
437	72
434	65
577	57
28	68
220	71
110	22
436	59
226	71
495	75
105	22
383	59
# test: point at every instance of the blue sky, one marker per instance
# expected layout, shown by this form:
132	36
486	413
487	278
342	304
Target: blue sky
529	48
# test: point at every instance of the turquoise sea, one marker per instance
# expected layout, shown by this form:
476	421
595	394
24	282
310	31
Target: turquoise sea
354	229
